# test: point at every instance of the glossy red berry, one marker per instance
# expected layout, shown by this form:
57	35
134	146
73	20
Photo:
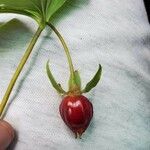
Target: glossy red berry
7	134
76	112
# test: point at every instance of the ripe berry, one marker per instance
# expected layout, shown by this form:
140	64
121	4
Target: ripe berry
76	112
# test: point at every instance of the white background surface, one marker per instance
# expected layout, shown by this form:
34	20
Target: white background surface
114	33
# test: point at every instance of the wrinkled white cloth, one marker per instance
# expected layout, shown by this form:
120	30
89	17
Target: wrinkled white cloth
115	34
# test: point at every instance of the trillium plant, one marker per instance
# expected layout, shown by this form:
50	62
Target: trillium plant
75	109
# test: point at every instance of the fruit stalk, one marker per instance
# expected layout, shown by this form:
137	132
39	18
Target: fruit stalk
65	47
73	85
19	69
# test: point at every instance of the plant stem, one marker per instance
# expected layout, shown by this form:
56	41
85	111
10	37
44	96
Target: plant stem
65	48
19	69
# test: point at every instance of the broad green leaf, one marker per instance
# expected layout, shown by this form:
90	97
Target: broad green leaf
90	85
56	85
40	10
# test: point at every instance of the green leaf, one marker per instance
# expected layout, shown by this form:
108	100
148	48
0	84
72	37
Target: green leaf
56	85
90	85
40	10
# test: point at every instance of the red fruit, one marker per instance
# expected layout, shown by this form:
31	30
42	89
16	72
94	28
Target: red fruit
76	112
6	134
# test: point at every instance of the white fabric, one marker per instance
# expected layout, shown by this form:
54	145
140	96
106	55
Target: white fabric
114	33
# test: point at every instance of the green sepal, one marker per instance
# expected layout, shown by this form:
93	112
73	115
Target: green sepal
56	85
75	81
77	78
90	85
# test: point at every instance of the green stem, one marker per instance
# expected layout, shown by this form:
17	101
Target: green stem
18	70
65	48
